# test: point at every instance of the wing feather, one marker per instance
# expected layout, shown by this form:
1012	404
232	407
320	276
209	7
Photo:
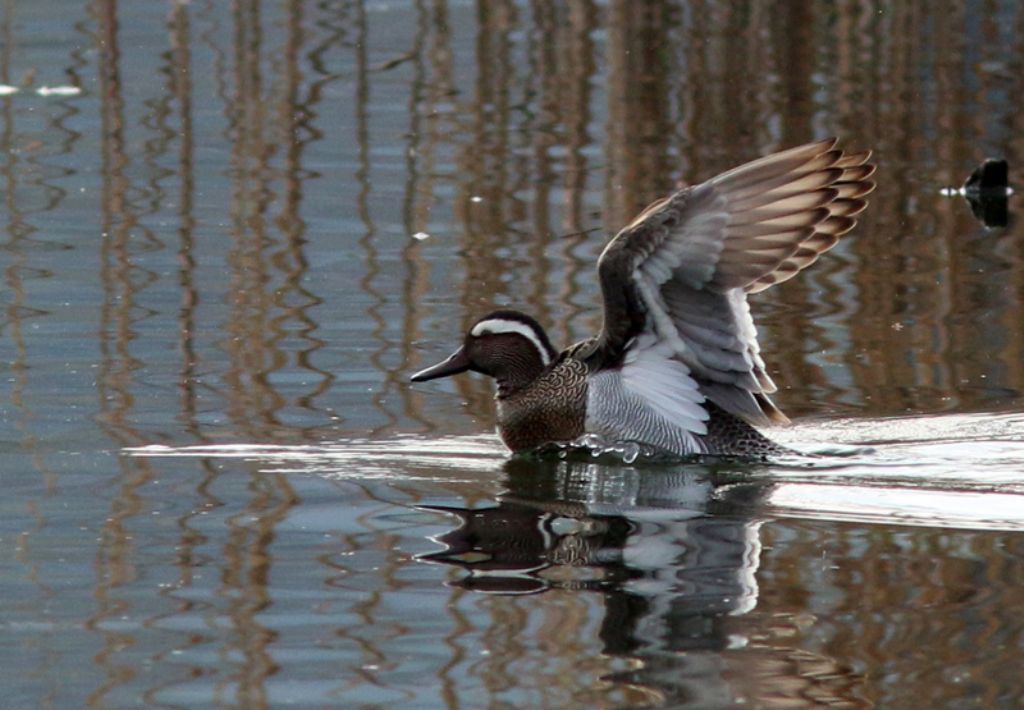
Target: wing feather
652	398
681	271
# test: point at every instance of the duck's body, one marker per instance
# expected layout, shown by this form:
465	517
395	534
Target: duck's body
568	399
677	365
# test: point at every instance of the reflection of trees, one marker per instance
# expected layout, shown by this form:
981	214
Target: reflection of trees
216	174
527	133
254	333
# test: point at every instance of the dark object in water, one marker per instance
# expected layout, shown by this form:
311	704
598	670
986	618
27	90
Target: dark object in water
987	190
991	175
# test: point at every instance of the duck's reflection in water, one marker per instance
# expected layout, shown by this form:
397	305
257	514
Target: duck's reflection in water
674	554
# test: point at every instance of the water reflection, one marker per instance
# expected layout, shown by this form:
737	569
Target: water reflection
517	136
211	242
673	563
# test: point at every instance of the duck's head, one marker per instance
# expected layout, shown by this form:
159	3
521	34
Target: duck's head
507	345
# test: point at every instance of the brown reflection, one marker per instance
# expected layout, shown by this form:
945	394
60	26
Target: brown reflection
921	612
559	73
935	290
1012	144
181	88
189	558
119	218
114	562
245	580
430	85
271	331
368	241
252	402
485	204
371	659
246	556
639	168
18	236
296	302
570	99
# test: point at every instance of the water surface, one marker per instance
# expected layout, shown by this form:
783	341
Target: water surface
232	230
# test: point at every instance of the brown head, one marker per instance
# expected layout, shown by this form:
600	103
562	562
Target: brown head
507	345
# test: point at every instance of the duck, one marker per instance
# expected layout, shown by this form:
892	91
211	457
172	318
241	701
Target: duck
676	366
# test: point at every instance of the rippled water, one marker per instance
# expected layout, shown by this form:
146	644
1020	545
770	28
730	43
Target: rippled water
232	230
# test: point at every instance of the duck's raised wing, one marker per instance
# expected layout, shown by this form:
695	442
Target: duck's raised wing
682	270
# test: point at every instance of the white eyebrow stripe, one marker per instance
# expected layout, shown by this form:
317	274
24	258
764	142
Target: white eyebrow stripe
498	326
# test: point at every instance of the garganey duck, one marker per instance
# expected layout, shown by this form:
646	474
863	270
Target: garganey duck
676	366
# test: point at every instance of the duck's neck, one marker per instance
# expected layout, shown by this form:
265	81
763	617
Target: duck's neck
515	380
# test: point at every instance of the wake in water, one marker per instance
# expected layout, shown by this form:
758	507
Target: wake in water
956	470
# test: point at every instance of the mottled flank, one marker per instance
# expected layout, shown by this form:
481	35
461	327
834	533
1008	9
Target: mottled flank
729	435
552	408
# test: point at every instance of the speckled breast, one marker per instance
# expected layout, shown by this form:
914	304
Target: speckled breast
552	408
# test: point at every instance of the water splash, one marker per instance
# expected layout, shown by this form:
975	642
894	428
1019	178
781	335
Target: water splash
594	446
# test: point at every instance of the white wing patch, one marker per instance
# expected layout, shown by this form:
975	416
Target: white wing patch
664	384
498	326
651	399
